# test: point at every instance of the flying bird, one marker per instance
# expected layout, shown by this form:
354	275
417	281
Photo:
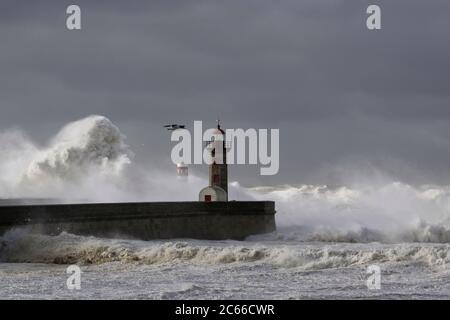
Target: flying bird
174	126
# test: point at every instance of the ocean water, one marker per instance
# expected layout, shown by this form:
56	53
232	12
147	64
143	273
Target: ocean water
265	267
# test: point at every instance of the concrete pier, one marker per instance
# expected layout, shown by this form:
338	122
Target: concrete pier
144	220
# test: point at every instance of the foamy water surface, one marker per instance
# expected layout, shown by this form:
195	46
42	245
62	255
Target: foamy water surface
35	267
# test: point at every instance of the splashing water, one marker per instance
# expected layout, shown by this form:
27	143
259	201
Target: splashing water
93	143
394	212
82	153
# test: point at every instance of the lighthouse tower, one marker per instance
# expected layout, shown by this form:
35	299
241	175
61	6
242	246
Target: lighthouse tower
182	170
218	169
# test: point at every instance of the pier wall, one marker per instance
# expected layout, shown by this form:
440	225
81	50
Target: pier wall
145	220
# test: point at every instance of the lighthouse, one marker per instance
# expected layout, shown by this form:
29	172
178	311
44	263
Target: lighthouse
182	170
218	169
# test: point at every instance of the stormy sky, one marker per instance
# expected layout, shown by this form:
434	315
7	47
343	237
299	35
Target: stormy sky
348	101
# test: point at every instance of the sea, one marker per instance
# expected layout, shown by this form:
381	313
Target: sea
264	267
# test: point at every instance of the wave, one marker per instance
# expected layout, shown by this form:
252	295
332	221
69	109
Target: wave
85	156
392	212
93	143
19	246
422	234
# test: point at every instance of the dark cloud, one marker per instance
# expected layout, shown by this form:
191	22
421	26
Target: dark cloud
337	91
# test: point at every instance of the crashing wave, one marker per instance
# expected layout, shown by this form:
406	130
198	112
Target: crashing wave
87	158
395	212
93	143
19	246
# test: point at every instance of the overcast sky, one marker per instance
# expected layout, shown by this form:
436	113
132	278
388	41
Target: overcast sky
345	99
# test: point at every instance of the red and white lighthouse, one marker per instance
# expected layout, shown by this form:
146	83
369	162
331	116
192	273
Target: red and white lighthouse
218	169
